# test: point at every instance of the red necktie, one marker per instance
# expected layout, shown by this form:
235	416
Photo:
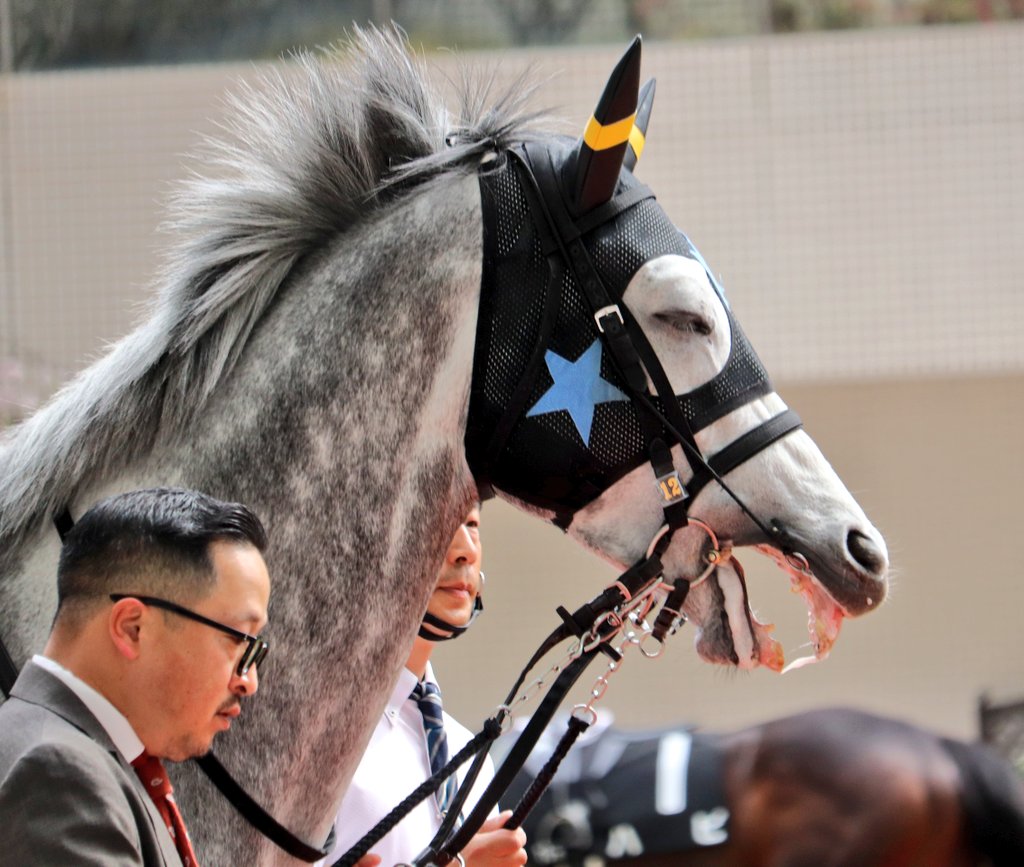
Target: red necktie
154	777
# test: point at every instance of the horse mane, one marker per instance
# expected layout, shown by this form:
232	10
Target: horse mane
315	147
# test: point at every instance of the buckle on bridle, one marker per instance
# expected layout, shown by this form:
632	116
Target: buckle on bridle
608	311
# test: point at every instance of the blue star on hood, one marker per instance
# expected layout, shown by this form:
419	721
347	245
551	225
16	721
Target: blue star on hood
577	389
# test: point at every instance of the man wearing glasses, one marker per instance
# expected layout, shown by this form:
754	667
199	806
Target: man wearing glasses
161	596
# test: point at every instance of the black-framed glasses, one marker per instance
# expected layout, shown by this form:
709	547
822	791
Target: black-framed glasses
256	648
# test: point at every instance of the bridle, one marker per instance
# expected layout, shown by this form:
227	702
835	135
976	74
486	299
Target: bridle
665	419
594	623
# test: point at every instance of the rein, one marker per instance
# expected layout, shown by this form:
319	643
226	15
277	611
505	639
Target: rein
8	671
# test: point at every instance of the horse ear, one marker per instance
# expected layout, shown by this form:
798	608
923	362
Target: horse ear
638	134
599	154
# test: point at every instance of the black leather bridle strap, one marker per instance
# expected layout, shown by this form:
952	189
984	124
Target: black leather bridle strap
774	533
63	522
256	816
612	208
8	671
528	801
514	761
744	448
575	624
621	335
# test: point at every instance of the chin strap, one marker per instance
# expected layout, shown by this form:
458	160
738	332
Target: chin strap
448	631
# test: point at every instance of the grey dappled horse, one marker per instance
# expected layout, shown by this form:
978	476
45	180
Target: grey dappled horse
313	351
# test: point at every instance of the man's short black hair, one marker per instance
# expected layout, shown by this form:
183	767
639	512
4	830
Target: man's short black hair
154	541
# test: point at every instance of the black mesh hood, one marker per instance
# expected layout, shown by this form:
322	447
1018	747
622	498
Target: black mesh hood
531	306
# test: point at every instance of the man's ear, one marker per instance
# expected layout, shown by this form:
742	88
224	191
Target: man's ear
125	624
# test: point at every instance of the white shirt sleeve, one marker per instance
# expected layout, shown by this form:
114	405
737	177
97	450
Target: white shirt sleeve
395	763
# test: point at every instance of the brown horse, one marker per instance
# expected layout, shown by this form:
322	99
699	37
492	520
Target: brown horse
828	787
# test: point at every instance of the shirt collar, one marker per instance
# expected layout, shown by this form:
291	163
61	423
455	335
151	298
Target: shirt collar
113	721
406	681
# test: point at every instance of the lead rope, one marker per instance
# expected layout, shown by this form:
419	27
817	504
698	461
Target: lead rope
576	727
626	618
584	715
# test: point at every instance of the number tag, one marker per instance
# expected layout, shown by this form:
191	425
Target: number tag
671	489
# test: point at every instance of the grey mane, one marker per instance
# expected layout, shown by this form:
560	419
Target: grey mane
314	148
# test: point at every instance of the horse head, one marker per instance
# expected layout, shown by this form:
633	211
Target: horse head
615	393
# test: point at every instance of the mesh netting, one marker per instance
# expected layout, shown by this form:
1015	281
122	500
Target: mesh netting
531	307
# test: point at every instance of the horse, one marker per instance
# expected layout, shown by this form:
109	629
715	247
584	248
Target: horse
832	786
371	318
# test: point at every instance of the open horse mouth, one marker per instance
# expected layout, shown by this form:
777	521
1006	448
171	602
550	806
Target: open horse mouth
737	637
824	614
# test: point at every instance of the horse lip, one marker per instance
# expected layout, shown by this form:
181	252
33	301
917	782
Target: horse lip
718	646
852	590
855	591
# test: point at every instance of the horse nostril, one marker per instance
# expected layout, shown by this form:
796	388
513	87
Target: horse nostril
866	552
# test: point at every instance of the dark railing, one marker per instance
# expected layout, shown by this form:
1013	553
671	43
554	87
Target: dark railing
1002	727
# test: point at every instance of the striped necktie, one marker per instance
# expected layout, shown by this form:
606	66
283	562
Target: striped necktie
153	775
428	699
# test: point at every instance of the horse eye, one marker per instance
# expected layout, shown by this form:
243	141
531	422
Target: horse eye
685	321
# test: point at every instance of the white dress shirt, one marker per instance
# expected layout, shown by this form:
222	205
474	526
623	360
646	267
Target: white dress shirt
395	763
113	721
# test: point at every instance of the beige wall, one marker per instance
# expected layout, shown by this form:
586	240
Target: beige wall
860	193
937	466
863	197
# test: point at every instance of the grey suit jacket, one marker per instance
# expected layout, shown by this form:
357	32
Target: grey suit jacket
66	795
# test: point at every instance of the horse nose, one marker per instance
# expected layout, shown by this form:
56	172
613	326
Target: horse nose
867	553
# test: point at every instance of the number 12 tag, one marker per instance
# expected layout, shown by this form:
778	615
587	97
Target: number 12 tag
670	488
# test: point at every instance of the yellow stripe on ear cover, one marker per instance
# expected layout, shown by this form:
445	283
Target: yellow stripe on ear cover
600	137
637	139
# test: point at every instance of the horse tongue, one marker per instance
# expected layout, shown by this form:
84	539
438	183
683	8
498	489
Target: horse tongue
824	619
770	652
824	616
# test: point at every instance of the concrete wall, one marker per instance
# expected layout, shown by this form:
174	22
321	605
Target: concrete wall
862	196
